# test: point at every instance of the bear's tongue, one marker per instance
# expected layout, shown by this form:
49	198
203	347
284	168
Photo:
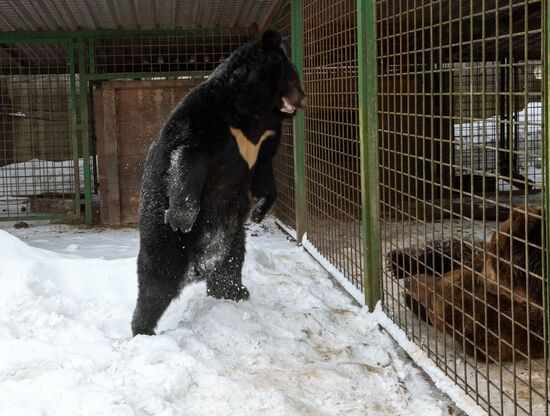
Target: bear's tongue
287	107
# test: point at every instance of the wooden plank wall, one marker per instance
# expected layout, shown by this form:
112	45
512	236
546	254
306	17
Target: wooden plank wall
128	117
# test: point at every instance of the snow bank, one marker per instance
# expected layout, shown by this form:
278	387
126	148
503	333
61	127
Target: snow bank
298	347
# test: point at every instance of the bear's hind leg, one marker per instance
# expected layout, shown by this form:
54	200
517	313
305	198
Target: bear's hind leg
157	288
225	281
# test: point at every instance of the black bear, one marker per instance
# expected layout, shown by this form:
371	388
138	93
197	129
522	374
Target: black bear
213	155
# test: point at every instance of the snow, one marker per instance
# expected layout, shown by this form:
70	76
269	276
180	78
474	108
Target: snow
441	380
355	292
299	346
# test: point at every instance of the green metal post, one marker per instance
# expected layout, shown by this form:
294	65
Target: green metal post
74	130
546	143
85	128
91	55
370	200
299	143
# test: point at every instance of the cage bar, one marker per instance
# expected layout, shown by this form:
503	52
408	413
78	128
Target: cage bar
298	128
370	203
74	127
37	166
546	135
85	129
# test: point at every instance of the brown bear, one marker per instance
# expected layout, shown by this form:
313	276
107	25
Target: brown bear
493	308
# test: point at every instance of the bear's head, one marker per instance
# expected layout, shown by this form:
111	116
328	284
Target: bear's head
290	93
263	81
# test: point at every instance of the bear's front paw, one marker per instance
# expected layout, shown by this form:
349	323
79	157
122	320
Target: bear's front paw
179	219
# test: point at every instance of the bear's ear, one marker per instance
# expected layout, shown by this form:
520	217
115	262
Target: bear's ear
271	40
285	46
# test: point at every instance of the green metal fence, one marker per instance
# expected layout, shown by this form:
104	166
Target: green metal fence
330	201
332	136
420	177
48	164
41	167
461	104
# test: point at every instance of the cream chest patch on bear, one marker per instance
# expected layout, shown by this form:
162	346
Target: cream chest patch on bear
248	150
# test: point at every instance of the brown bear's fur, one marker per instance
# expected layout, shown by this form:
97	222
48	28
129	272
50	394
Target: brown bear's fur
491	309
517	240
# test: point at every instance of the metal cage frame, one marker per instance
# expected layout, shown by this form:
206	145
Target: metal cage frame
383	113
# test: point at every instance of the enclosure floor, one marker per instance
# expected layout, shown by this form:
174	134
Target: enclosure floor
298	347
472	376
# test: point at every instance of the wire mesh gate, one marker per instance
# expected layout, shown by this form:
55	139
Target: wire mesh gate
461	93
460	147
331	135
40	167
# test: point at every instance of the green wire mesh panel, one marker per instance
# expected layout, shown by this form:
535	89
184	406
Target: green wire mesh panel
38	174
461	169
333	183
283	165
194	51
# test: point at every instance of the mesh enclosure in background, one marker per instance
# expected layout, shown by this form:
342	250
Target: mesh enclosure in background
38	170
460	98
192	51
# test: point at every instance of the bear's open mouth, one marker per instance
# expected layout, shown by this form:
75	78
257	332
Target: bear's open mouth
287	107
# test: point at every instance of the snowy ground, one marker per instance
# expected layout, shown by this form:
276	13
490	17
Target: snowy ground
298	347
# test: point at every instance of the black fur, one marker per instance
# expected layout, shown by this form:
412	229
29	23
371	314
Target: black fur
196	188
436	258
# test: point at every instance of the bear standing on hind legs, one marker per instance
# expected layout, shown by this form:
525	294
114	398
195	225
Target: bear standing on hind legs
214	151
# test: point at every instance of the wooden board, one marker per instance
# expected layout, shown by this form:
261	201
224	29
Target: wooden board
128	117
